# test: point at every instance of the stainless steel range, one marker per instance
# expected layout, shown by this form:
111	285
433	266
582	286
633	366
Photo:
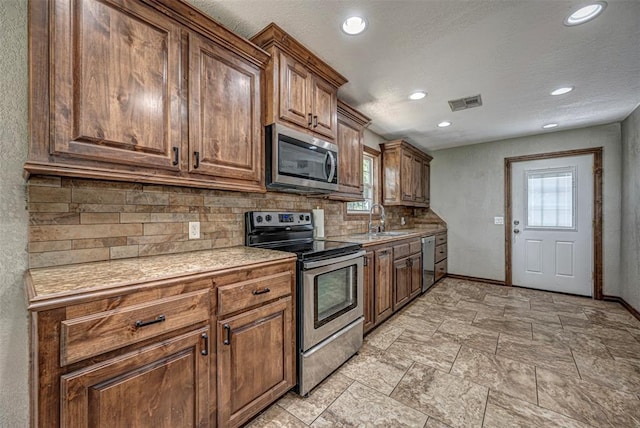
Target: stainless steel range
329	291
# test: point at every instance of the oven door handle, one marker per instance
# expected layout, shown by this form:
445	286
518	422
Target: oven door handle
326	262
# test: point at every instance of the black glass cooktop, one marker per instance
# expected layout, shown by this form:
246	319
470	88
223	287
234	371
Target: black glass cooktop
314	248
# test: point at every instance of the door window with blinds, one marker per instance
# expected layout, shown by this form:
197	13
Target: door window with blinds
551	198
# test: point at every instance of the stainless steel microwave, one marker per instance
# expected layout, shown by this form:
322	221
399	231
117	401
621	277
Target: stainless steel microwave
298	162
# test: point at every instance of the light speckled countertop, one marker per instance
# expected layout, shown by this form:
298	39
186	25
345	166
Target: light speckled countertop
49	282
369	240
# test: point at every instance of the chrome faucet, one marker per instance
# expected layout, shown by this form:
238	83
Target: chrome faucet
380	227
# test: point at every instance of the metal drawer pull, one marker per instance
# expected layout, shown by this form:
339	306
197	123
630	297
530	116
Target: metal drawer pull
197	161
205	337
176	156
227	331
310	122
159	318
263	291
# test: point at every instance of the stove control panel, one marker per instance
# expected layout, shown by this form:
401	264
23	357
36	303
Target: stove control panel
275	218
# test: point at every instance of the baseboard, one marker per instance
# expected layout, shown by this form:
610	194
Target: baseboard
475	279
624	303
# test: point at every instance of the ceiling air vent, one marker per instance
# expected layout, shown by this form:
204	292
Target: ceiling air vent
465	103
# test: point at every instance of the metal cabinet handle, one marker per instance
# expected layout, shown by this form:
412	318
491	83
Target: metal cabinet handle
315	121
227	332
263	291
310	120
176	155
159	318
205	350
197	156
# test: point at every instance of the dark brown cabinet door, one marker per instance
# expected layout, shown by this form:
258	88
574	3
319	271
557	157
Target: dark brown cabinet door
224	114
324	99
415	265
249	380
115	83
295	92
163	385
418	180
369	291
426	177
383	284
407	179
350	158
402	282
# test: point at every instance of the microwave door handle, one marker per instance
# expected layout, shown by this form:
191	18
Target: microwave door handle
332	159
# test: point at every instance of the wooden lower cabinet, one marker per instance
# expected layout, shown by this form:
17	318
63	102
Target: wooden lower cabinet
369	291
161	385
407	279
255	360
383	284
145	355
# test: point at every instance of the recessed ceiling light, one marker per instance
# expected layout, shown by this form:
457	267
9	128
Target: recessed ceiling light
444	124
585	13
549	125
417	95
562	91
354	25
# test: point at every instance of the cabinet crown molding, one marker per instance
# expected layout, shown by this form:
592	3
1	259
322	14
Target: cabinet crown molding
273	35
349	112
406	145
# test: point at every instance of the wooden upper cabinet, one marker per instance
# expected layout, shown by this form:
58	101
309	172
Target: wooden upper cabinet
115	83
132	90
295	89
351	124
301	90
324	98
405	174
224	114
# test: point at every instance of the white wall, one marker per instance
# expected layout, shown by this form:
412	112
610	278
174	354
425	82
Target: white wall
14	358
467	191
630	243
372	139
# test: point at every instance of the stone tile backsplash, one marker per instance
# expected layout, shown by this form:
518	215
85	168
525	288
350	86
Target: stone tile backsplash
80	220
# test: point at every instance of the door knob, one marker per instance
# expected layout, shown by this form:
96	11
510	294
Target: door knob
516	231
516	222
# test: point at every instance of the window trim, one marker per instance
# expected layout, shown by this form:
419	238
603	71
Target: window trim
377	186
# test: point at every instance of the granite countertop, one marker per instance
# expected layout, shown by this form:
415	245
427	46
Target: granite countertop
368	240
60	281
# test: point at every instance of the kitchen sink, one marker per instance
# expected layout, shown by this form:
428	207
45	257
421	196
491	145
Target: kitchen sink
386	233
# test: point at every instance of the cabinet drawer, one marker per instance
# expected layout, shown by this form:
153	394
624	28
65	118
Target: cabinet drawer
95	334
415	247
404	250
441	252
441	239
241	295
441	269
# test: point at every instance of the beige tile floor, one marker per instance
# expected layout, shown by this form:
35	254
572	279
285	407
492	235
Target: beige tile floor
468	354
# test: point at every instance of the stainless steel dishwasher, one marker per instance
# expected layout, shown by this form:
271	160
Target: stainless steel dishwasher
428	262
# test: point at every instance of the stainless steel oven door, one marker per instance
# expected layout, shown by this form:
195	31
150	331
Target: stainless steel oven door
332	296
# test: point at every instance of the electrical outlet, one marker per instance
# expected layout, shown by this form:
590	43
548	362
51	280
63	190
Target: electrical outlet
498	220
194	230
402	221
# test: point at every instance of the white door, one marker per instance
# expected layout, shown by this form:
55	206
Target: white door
552	230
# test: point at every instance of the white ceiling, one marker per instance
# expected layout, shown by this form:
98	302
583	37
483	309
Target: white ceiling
513	52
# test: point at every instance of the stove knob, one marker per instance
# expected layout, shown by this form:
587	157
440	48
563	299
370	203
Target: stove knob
259	219
306	218
301	217
268	217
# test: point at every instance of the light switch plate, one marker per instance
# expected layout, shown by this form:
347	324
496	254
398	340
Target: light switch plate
498	220
194	230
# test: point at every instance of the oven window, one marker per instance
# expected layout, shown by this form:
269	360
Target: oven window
335	293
